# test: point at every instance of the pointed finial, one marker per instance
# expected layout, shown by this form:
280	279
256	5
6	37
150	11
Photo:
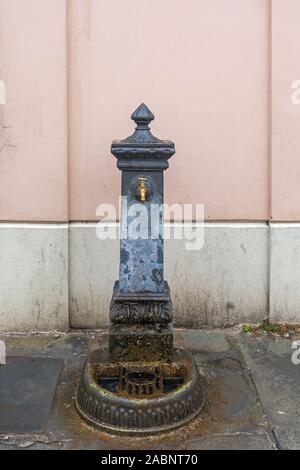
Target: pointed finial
142	116
142	150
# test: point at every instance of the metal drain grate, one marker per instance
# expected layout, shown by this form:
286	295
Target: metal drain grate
141	382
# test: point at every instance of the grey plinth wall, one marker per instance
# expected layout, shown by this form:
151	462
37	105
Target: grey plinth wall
53	276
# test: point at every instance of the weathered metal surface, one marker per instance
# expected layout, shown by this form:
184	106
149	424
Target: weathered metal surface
137	308
117	410
145	343
142	157
140	384
141	252
142	150
27	388
141	268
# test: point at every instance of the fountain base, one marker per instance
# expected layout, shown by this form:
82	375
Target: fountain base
139	397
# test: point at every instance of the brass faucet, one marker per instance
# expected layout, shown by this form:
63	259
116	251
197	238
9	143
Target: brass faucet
142	188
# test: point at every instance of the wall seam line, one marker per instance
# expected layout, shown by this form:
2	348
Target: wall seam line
270	159
68	130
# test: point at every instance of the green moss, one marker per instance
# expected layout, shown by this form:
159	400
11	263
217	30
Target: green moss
249	328
275	328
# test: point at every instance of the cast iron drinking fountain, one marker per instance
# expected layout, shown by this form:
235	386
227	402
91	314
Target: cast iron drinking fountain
140	383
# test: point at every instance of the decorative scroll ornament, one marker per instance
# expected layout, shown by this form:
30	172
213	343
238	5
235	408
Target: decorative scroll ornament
140	312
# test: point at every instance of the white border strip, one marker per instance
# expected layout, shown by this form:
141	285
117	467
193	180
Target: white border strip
207	224
285	224
45	225
180	224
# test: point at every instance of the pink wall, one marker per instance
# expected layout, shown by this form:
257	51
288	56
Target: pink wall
33	140
285	114
202	66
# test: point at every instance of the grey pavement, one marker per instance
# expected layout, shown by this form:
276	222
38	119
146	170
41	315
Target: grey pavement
251	383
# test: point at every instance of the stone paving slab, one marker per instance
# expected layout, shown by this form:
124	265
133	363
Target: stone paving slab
239	441
27	388
205	341
277	381
288	437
